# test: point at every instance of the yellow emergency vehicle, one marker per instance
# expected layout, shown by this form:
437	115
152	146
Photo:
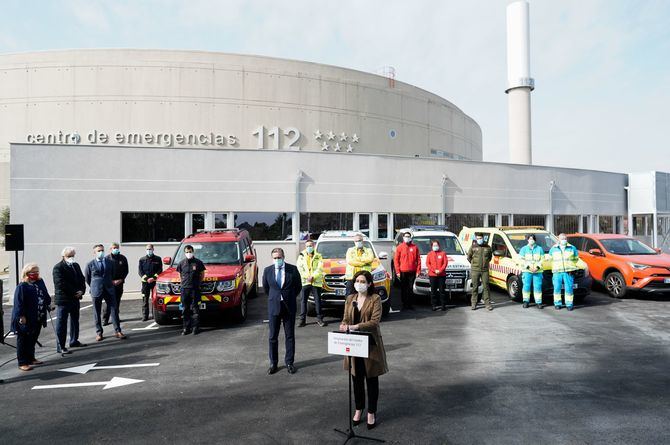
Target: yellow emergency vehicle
505	267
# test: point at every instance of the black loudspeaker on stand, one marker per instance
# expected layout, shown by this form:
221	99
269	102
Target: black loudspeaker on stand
350	433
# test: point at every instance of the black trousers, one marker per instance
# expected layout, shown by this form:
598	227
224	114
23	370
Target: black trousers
25	346
360	380
190	303
437	285
406	288
146	297
316	292
118	293
288	319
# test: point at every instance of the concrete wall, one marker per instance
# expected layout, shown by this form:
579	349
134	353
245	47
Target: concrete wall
157	91
73	195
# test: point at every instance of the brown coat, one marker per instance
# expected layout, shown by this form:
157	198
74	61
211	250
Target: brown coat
371	315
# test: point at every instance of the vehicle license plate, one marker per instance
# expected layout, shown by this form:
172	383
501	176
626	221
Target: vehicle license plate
453	281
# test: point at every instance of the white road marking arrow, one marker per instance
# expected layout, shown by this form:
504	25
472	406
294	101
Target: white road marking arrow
114	383
83	369
152	326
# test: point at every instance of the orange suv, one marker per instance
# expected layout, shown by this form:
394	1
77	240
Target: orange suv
623	264
230	279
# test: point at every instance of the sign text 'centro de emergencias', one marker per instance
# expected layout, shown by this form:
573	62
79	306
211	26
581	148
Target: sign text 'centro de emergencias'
289	138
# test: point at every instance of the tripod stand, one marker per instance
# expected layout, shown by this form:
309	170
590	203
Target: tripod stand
350	434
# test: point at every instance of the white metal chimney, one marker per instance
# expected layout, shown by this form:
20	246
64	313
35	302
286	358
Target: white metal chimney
519	82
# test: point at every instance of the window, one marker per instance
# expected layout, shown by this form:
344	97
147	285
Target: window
152	227
529	220
315	223
504	220
566	224
405	220
212	252
576	241
499	244
265	226
337	249
590	244
605	224
491	220
618	224
220	220
543	239
585	224
449	244
364	223
383	226
455	222
197	222
642	225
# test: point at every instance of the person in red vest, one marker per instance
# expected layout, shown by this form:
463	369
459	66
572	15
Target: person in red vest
407	262
436	263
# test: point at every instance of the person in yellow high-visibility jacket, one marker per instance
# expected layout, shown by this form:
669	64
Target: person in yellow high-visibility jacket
564	258
359	258
310	266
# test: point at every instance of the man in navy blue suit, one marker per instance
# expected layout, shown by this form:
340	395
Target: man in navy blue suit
99	279
282	285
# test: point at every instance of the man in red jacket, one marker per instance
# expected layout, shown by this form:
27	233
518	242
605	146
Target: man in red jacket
407	262
436	263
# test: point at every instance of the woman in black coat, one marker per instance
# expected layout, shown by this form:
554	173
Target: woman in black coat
31	304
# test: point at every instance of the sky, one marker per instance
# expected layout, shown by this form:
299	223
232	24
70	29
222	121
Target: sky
601	67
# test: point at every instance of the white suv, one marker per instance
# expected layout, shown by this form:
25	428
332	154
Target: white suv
458	269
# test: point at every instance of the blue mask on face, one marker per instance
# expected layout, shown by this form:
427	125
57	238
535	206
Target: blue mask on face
100	254
480	241
115	251
279	262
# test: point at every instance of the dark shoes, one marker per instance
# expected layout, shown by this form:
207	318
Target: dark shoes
291	369
145	318
185	331
444	308
105	323
525	305
65	351
77	344
473	307
321	323
302	324
570	308
272	370
435	308
196	331
372	425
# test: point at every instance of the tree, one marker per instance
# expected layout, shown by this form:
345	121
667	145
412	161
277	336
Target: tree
4	219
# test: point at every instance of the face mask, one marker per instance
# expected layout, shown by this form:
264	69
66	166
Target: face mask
436	248
150	252
115	251
407	239
189	255
69	260
563	242
360	287
100	254
310	249
531	242
359	244
33	276
279	262
480	241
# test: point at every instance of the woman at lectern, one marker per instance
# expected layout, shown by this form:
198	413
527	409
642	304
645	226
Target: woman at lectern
363	312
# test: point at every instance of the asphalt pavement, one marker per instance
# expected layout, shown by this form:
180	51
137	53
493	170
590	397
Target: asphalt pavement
597	375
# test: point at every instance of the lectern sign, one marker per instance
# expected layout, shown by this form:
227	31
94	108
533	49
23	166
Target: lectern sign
348	344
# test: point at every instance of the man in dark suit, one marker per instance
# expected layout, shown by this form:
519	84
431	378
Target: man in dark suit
69	287
99	278
119	274
282	284
150	266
